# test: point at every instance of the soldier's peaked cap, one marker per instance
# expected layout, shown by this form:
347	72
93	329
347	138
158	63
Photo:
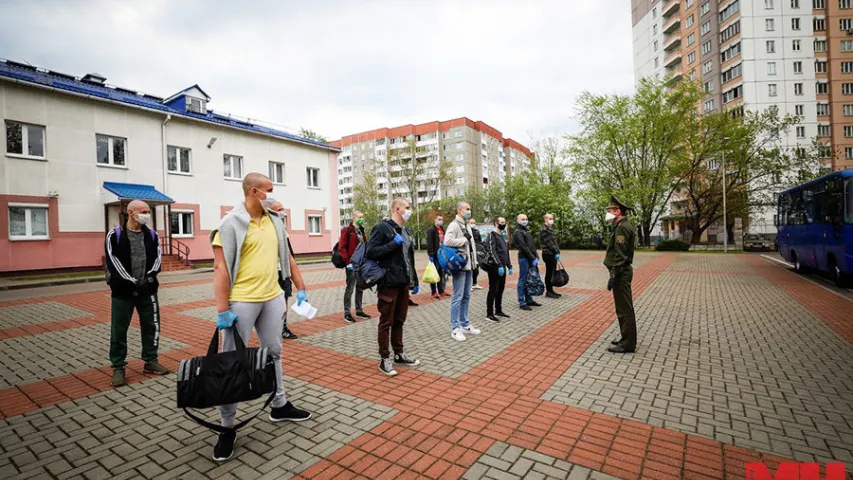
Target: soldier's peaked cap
616	203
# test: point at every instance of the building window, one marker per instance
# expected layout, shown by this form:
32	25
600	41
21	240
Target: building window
232	166
709	105
822	109
823	130
801	132
848	154
771	68
28	222
798	110
654	29
768	4
690	20
277	173
458	133
709	86
692	75
729	11
178	159
707	67
182	224
847	45
846	88
798	89
691	39
820	66
691	57
110	150
705	28
315	225
688	3
819	24
730	52
844	4
706	48
798	67
818	4
796	45
795	3
24	139
313	177
655	12
733	94
795	24
731	73
771	89
848	110
846	24
655	45
730	32
820	45
771	46
848	131
822	88
657	62
769	25
846	67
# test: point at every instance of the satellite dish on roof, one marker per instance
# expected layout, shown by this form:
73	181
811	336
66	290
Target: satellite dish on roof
95	78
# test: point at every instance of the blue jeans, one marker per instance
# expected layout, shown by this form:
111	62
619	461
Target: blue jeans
461	299
524	297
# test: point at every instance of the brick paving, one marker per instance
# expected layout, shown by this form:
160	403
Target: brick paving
738	361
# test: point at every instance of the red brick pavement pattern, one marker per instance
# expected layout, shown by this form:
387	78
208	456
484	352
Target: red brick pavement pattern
836	311
444	424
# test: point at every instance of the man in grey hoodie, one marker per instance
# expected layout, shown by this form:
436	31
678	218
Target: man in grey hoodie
249	248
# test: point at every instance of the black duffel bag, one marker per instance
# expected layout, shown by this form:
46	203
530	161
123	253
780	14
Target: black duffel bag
560	277
223	378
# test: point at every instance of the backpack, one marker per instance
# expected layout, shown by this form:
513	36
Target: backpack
535	286
485	259
337	259
450	260
367	272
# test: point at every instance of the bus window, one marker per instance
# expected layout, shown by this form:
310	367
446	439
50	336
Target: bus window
808	206
848	209
795	211
784	203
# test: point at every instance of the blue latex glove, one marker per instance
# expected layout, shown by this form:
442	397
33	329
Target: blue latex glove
501	272
301	296
431	259
557	258
349	266
535	262
399	239
226	319
416	289
510	271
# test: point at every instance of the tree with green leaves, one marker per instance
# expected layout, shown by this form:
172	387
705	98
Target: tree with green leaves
312	135
367	197
628	145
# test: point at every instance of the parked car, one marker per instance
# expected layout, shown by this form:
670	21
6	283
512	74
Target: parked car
758	241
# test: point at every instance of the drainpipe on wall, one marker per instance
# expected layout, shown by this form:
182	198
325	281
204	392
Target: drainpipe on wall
166	221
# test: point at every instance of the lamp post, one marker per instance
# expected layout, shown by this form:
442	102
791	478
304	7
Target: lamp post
725	216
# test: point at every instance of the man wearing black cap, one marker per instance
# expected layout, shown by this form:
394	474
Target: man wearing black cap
618	260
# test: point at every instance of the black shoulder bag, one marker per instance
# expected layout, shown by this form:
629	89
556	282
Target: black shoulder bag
223	378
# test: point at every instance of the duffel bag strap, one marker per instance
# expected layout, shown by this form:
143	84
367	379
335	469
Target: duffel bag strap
220	428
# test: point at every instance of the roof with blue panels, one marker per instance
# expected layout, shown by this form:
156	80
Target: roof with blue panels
135	191
68	83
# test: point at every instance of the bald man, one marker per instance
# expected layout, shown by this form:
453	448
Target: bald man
133	261
249	249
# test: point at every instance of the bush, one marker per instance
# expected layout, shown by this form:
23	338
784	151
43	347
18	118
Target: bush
672	246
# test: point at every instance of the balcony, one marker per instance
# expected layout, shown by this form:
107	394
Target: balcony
672	42
672	59
670	7
672	25
676	77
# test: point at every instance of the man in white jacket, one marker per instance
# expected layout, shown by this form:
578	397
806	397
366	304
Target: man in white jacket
460	237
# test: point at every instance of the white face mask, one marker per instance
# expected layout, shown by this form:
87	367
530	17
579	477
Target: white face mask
407	215
550	222
610	217
269	201
143	218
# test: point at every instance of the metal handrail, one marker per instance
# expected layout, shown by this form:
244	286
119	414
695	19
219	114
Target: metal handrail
183	250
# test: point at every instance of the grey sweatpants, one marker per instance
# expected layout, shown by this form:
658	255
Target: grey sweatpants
265	318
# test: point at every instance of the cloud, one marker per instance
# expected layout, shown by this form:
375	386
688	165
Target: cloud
342	67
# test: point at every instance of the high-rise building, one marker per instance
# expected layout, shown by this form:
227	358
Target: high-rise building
793	55
477	154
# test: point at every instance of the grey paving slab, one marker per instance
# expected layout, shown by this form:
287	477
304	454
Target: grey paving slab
528	464
185	294
53	354
711	262
726	357
427	333
136	432
36	313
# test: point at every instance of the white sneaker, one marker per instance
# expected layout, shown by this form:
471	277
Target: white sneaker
471	330
476	287
457	335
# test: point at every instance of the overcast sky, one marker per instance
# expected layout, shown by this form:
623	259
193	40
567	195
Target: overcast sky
342	67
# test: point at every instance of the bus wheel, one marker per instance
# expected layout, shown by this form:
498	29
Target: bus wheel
798	266
835	274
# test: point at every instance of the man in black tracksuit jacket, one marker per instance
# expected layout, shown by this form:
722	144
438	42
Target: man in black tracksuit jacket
550	253
132	255
527	259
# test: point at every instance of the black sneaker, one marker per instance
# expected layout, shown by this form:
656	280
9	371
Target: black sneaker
535	304
403	359
288	412
412	303
502	314
360	313
224	448
349	318
287	334
552	295
386	366
525	307
493	319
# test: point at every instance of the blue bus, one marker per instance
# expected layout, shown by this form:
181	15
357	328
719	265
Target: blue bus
815	226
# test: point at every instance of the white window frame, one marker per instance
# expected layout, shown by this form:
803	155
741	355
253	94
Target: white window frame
768	4
798	110
177	150
313	181
769	25
772	90
822	109
458	133
28	236
319	221
795	23
705	28
283	179
181	224
845	4
801	132
798	89
847	45
798	67
25	140
848	131
110	151
845	24
848	110
771	46
771	68
825	129
795	4
239	162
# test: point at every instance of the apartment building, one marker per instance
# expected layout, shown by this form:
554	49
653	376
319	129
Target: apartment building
478	154
76	150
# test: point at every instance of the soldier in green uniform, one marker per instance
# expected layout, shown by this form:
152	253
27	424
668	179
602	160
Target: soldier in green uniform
620	256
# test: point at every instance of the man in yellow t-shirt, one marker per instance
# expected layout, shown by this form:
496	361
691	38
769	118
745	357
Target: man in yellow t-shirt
249	248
